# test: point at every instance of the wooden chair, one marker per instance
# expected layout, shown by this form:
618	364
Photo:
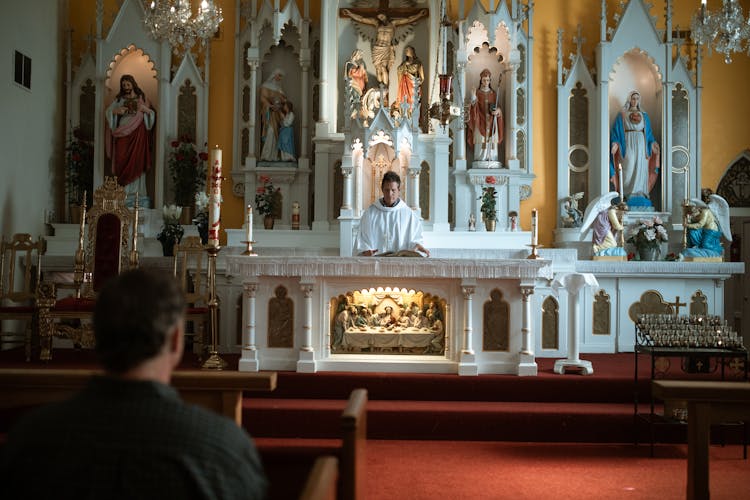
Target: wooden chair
191	270
108	251
18	299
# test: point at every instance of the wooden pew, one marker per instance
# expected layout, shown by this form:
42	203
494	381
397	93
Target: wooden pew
287	459
321	483
220	391
707	403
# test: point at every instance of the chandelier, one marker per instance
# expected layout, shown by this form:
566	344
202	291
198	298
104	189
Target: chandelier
724	30
173	21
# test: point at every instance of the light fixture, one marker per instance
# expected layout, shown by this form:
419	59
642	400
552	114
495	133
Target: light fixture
443	111
724	31
173	21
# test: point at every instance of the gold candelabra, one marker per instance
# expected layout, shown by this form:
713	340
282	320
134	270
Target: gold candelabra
214	361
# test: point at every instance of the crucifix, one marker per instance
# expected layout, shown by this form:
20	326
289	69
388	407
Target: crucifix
385	20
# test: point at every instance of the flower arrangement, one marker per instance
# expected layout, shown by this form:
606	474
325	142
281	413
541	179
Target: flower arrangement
188	171
79	169
201	215
171	230
267	197
488	210
647	234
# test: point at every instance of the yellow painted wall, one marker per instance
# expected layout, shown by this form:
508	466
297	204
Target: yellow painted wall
726	100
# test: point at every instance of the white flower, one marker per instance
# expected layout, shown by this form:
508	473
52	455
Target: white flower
201	201
171	214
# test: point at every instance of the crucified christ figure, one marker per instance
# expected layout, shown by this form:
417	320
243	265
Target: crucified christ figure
383	50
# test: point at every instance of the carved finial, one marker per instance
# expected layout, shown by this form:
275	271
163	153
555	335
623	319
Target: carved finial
579	39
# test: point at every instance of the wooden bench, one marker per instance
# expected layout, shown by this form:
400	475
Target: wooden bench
707	403
220	391
287	458
321	483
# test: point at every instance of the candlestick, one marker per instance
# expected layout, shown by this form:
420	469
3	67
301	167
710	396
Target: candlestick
619	177
534	227
214	198
249	223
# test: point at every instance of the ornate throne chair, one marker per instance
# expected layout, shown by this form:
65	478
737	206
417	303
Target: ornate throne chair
112	227
18	300
191	269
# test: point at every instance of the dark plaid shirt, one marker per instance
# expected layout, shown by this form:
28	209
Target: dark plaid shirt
127	439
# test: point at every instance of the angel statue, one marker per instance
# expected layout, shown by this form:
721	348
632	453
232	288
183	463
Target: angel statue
384	39
602	217
707	220
571	216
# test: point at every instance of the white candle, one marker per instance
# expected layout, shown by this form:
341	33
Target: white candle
249	223
214	197
534	227
619	177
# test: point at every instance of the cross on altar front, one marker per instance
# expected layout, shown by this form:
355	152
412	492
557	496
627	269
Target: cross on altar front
677	304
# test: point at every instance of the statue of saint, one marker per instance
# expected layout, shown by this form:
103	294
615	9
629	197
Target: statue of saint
276	114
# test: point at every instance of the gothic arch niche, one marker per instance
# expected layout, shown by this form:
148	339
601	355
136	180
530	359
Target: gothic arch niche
486	57
280	319
699	304
550	324
681	153
134	61
735	184
579	153
285	57
496	323
601	314
424	190
636	70
187	112
381	157
388	321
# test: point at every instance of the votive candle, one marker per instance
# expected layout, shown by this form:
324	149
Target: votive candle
534	227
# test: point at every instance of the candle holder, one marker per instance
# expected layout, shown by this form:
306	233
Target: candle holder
534	255
249	248
214	361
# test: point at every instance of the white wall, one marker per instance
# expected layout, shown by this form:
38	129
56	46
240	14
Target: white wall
32	124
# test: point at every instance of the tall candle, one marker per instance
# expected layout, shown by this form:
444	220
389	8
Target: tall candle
619	177
249	223
214	197
534	227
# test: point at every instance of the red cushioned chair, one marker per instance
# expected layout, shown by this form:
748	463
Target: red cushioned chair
18	296
191	269
111	229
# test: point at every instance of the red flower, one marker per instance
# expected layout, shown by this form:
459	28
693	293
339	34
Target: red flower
264	179
76	157
175	144
260	190
203	156
490	179
631	256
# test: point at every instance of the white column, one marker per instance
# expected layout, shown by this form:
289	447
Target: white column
414	189
468	361
249	359
573	283
252	120
306	360
526	361
511	128
347	203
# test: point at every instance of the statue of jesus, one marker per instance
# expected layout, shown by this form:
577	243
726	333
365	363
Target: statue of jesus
383	50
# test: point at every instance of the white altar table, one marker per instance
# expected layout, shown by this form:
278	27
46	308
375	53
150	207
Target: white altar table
313	284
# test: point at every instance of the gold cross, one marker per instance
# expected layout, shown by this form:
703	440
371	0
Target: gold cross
677	304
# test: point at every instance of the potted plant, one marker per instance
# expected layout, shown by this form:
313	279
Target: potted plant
267	201
171	230
488	208
79	173
201	215
188	171
647	235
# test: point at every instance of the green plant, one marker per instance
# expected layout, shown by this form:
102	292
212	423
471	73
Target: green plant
489	202
267	197
188	170
647	233
171	230
79	169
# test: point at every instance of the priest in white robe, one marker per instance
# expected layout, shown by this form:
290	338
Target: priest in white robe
388	225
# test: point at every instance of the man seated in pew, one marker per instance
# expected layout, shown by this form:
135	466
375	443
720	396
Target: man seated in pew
389	226
128	434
